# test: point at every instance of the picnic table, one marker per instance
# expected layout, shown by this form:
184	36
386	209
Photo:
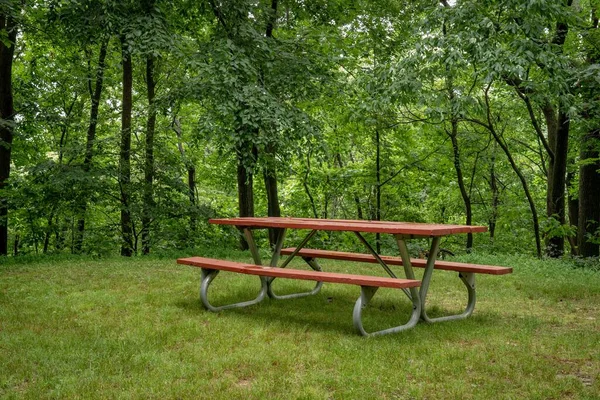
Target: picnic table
416	290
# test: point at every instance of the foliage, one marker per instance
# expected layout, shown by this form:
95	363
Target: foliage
352	103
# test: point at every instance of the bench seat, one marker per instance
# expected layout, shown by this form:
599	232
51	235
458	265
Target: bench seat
416	262
368	286
319	276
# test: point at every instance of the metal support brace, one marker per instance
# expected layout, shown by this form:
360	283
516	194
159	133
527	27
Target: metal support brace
275	259
366	294
252	246
374	253
298	248
407	265
208	275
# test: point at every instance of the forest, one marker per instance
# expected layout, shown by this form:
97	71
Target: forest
126	124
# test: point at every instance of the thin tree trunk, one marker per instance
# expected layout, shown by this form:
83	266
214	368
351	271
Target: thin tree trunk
536	224
191	172
245	181
461	184
573	211
307	188
552	129
495	199
125	155
7	24
270	173
273	209
149	158
95	96
16	245
49	229
377	187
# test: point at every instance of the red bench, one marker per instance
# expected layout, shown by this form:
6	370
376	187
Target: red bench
369	285
318	276
466	273
416	262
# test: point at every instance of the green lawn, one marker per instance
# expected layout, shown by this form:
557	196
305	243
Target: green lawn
135	329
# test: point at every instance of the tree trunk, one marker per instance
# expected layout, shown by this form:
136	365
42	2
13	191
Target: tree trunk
191	172
245	180
461	184
273	209
556	182
7	23
307	188
573	210
149	158
377	187
552	130
589	172
125	155
536	224
495	199
589	195
270	174
95	96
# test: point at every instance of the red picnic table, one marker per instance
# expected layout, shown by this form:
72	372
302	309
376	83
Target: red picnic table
415	290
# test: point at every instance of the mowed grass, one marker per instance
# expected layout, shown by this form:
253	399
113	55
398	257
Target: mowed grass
135	328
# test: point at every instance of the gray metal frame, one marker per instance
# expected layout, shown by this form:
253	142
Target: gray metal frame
468	280
366	294
208	275
275	260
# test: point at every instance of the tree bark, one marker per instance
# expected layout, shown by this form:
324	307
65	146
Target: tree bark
307	188
270	173
245	181
461	184
589	195
556	182
125	154
95	97
273	209
377	187
6	119
495	198
191	172
573	211
149	157
589	172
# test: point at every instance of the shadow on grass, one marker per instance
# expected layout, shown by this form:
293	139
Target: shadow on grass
322	313
191	305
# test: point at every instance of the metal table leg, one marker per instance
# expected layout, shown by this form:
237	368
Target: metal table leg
366	293
208	275
468	280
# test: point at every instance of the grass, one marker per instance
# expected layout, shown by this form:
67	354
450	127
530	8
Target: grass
81	328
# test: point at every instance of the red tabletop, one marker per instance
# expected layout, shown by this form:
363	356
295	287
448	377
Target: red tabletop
402	228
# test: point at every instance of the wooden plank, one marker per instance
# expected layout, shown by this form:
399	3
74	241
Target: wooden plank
403	228
416	262
333	277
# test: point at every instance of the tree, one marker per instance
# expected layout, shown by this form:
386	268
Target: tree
588	238
8	40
